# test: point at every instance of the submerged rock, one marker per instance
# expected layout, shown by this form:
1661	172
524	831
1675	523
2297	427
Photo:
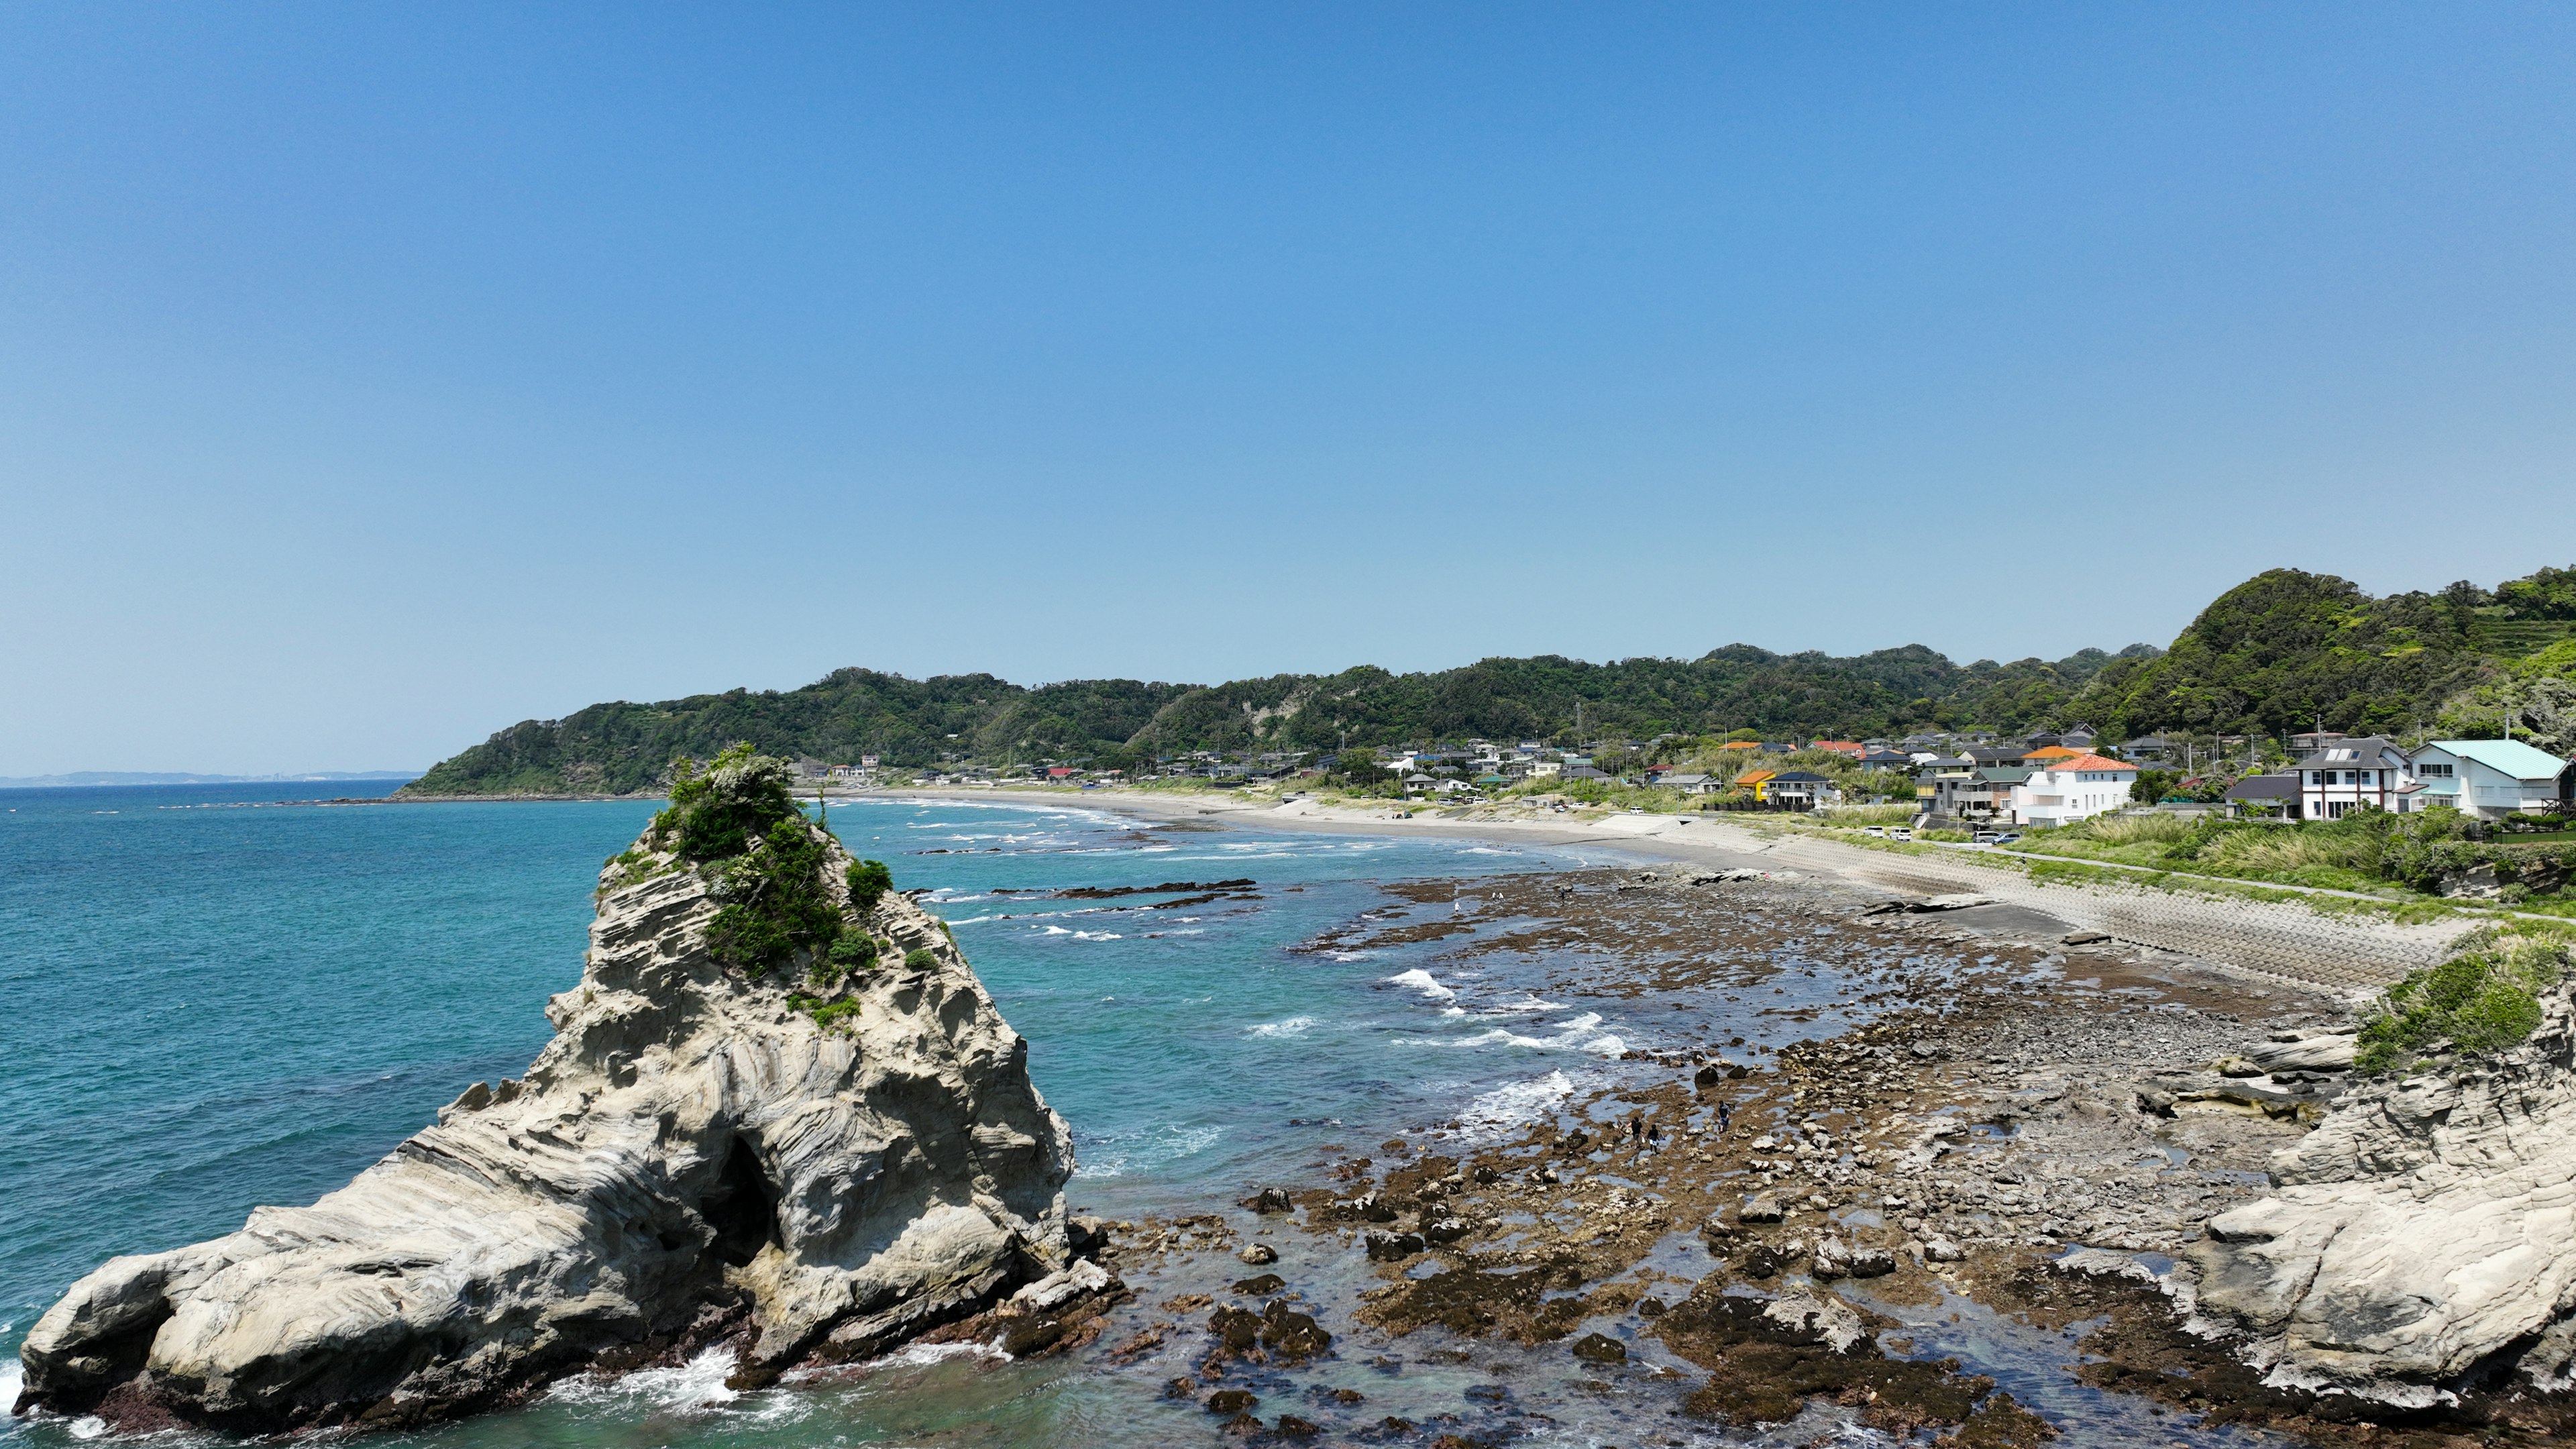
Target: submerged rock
705	1151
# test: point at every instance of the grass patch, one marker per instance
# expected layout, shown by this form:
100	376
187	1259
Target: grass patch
2483	999
841	1016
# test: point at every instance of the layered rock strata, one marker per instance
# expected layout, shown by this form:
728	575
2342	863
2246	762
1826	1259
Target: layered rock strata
695	1157
2422	1241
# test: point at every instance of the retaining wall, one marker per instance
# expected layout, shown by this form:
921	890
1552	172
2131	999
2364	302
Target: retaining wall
2273	938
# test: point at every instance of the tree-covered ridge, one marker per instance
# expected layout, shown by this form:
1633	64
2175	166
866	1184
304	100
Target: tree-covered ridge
2283	651
2289	651
624	748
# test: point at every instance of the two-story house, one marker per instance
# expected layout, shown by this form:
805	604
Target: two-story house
2065	789
1981	794
2492	778
2345	774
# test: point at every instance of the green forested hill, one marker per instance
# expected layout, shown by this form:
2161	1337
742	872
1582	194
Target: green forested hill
2280	652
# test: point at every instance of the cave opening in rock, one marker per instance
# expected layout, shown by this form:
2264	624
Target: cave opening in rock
742	1207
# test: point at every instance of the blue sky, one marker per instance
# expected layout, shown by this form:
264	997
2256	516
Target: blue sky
372	376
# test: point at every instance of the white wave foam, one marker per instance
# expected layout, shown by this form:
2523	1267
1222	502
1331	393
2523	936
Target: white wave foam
1486	850
1423	981
922	1355
693	1387
1347	955
1169	1144
1499	1111
1574	1035
1293	1026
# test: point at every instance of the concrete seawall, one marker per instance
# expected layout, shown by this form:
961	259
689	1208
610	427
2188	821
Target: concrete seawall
2275	938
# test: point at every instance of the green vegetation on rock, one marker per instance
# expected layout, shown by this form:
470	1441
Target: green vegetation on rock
2485	998
868	881
765	864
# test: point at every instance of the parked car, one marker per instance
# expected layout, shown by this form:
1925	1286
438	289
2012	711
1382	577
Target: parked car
1986	837
1899	832
2008	837
1879	831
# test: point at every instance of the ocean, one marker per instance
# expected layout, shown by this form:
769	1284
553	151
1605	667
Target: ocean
220	1000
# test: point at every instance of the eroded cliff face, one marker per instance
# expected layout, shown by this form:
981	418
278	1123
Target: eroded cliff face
2421	1243
696	1157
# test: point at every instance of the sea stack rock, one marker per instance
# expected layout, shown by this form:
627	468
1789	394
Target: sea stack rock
2420	1244
779	1112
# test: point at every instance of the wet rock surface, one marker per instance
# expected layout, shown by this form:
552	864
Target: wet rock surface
1975	1107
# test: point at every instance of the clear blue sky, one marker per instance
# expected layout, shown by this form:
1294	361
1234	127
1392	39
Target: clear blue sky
372	376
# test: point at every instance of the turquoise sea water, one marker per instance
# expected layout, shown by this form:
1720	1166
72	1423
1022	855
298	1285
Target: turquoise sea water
219	1001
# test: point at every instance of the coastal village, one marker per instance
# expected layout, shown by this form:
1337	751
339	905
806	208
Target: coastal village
1977	781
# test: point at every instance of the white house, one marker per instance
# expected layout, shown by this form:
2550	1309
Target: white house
2068	788
2491	778
2345	774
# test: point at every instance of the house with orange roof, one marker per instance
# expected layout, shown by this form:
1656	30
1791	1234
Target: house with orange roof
2071	787
1853	748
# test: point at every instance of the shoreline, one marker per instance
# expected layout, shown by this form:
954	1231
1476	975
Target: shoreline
2311	937
2281	940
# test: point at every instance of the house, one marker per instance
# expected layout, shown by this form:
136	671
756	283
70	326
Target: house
1542	769
1886	759
1929	775
2046	753
1997	755
2078	738
2063	791
1749	745
1690	784
2149	750
1754	780
1061	772
2349	773
1853	748
1981	793
2492	778
1797	790
2264	795
1417	782
2308	742
1582	772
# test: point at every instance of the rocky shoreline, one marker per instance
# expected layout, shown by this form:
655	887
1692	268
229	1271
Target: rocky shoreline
1869	1116
736	1137
2042	1128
